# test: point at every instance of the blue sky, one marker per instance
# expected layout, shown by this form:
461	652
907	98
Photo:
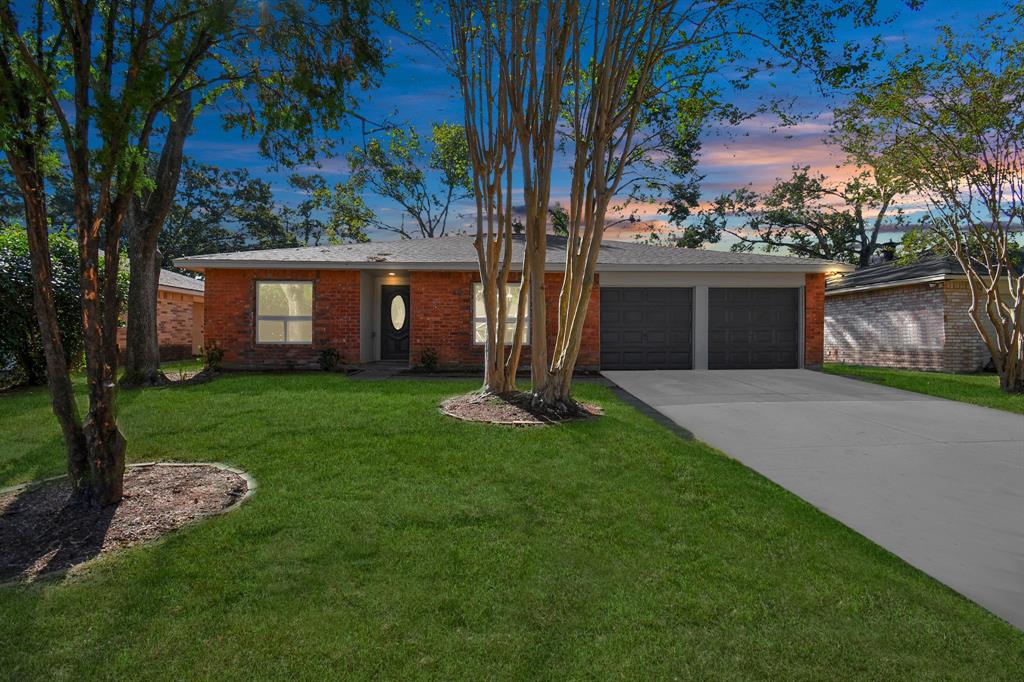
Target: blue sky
417	91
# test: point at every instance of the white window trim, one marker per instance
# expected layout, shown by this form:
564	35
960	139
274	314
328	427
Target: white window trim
509	318
283	318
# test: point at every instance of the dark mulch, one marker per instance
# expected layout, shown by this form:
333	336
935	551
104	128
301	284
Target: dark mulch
41	532
512	408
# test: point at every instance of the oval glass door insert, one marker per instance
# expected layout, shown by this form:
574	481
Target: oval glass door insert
397	312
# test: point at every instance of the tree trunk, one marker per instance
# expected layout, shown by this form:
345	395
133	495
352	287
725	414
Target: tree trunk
102	483
142	348
145	219
1011	383
62	394
1011	373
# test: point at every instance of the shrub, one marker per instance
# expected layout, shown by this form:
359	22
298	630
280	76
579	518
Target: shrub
213	356
428	359
21	347
329	359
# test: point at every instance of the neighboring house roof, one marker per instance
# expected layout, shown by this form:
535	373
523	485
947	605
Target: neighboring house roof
174	280
887	275
458	253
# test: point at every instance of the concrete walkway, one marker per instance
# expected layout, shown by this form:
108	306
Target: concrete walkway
936	482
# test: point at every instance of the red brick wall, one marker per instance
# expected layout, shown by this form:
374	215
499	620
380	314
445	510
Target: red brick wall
174	322
814	319
442	314
231	317
174	325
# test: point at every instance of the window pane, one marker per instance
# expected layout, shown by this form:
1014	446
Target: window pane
270	331
510	331
285	298
480	332
511	300
300	331
478	301
397	312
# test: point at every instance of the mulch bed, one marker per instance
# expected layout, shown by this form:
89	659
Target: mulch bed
41	533
515	409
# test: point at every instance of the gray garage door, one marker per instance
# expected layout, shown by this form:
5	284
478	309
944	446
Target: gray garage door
753	328
646	328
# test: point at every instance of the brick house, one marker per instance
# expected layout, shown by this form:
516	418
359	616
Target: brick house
652	307
911	317
179	316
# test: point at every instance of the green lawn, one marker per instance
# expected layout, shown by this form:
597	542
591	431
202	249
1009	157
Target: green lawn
387	541
979	389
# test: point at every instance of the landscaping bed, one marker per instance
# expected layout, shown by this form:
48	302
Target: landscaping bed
512	409
43	532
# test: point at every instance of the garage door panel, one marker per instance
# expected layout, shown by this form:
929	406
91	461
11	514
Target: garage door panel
753	328
646	328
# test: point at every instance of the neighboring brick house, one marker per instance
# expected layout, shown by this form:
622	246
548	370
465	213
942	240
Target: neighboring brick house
180	316
652	307
911	316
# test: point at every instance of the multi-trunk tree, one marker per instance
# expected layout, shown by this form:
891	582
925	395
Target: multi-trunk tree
955	117
492	145
97	78
590	80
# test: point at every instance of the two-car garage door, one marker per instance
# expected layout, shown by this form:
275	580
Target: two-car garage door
652	328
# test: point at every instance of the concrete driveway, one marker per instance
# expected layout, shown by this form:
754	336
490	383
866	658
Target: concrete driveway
936	482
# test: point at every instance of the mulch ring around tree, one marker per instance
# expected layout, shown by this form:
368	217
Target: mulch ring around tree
513	409
42	533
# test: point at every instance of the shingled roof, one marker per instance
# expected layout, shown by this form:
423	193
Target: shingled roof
892	274
457	253
174	280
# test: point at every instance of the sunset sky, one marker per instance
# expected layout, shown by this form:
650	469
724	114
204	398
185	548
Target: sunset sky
417	91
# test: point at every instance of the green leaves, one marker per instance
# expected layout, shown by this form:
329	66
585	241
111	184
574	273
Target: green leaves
424	177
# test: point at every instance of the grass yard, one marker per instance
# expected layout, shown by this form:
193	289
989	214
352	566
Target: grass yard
978	389
387	541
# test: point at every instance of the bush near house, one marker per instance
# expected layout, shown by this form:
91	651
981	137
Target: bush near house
21	348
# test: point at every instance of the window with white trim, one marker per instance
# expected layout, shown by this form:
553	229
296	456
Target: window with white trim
511	308
284	312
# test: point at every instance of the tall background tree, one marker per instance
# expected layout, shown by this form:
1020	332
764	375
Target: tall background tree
806	215
144	219
425	177
97	78
284	92
955	118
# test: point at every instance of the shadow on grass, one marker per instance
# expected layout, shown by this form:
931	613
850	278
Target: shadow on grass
42	531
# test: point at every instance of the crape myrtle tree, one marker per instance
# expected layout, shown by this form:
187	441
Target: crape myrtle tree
84	84
425	176
491	152
621	58
955	115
